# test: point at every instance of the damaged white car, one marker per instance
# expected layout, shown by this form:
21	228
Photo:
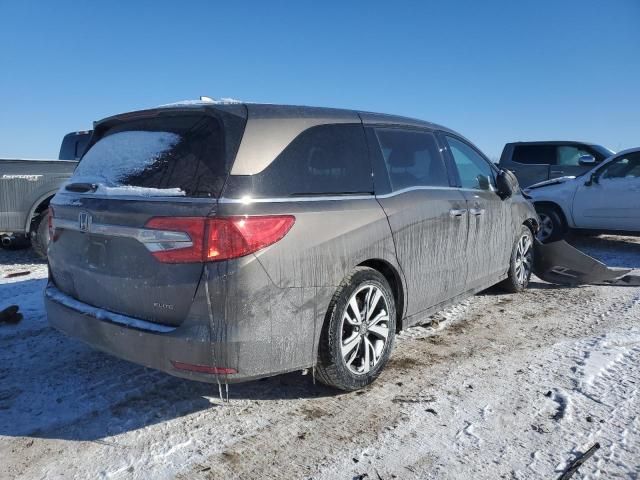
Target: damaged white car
604	199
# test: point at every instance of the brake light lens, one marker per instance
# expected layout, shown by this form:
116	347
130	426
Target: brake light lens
234	237
179	252
219	238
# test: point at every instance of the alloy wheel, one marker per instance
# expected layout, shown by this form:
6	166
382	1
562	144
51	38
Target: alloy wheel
524	259
365	329
546	227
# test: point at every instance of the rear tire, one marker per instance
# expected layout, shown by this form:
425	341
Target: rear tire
40	234
552	224
356	345
521	263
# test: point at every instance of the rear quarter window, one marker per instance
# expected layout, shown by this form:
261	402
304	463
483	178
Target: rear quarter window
322	160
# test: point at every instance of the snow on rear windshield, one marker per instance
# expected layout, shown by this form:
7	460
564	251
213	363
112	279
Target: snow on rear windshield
159	156
119	156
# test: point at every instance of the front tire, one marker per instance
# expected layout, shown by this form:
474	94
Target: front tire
521	263
40	234
552	224
359	331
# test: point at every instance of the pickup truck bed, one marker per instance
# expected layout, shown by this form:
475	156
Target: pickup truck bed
24	185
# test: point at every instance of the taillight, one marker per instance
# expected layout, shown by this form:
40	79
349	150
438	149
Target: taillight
179	251
218	238
234	237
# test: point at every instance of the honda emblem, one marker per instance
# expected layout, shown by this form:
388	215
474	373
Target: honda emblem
84	221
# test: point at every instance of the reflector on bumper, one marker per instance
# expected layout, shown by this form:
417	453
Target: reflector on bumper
189	367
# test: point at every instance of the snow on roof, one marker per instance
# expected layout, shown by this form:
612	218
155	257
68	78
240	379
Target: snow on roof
203	101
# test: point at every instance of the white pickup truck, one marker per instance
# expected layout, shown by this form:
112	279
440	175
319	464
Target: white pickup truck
606	198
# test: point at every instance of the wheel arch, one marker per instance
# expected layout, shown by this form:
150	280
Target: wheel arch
557	207
393	277
532	224
41	204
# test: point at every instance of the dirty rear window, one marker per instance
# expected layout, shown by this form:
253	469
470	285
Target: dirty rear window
180	155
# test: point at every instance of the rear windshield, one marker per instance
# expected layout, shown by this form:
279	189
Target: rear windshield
74	145
183	155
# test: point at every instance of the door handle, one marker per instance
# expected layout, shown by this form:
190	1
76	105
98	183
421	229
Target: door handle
457	212
557	171
476	211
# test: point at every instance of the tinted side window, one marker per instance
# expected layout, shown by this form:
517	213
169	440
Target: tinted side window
74	145
412	158
81	144
68	148
474	171
327	159
534	154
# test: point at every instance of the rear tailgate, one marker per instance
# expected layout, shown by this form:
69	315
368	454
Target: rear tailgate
127	236
103	256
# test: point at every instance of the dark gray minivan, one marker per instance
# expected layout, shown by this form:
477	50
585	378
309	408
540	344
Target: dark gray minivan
227	242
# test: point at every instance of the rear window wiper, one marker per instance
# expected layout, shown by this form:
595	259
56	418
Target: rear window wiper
81	187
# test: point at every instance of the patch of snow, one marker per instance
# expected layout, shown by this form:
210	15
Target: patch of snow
120	155
129	190
605	352
207	101
104	315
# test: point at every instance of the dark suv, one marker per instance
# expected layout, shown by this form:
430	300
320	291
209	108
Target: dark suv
227	242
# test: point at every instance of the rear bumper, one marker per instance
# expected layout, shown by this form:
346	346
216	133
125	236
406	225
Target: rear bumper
156	346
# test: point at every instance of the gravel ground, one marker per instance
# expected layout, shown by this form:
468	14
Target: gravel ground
500	386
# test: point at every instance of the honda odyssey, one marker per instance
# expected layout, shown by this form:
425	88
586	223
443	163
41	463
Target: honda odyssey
228	242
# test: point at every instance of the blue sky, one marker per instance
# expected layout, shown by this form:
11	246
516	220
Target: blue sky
496	71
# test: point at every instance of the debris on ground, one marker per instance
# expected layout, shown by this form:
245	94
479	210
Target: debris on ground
577	463
22	273
413	399
10	315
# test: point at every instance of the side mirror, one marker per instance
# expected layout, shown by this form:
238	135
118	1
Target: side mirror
506	183
587	160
